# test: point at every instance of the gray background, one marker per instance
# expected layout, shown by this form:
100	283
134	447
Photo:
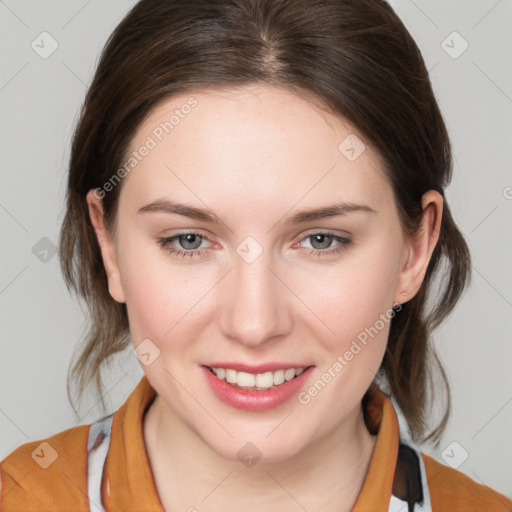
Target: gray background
41	323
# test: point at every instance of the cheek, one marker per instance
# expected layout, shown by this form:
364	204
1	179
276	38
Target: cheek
167	301
354	294
355	302
155	294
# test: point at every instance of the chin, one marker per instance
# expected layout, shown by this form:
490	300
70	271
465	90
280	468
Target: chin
251	448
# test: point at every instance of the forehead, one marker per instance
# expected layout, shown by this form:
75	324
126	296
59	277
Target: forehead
258	143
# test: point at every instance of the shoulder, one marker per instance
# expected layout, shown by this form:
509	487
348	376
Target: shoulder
49	474
451	490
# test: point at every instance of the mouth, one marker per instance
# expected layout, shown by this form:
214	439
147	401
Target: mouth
256	388
256	381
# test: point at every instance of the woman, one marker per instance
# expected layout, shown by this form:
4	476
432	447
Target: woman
256	203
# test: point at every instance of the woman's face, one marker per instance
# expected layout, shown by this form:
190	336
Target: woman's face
256	287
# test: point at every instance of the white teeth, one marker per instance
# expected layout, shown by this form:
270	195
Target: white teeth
264	380
289	374
247	380
278	377
230	375
259	381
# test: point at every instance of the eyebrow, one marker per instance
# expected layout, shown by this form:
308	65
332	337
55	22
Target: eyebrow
301	217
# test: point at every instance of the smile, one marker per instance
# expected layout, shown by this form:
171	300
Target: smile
258	381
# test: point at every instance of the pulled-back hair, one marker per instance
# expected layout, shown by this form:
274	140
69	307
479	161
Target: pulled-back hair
353	57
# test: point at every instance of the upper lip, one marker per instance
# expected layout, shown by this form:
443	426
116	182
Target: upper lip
260	368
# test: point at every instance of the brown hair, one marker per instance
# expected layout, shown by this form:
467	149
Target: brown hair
353	56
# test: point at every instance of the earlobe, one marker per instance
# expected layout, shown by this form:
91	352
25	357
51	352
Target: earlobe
419	248
108	252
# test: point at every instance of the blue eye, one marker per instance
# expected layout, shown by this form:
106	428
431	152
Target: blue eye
192	238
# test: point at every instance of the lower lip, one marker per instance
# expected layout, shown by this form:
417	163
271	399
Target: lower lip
252	399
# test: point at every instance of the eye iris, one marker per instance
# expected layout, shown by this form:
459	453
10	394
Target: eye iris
187	239
325	237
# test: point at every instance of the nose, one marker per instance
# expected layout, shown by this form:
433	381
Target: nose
256	303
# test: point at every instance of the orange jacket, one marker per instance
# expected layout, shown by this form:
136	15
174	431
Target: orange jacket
51	475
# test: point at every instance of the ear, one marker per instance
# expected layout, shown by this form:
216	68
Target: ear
107	247
419	248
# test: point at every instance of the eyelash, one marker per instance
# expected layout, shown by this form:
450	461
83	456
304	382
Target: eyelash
165	243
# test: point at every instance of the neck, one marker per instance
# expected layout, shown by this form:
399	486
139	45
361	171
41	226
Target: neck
328	474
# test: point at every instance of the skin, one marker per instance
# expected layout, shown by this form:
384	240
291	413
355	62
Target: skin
253	156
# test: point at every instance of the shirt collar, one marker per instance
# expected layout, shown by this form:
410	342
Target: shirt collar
128	481
376	491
